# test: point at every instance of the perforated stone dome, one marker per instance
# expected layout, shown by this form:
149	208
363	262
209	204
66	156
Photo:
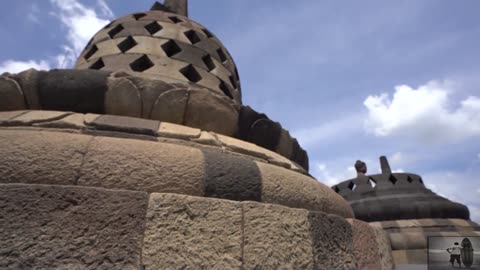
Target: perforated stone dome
163	45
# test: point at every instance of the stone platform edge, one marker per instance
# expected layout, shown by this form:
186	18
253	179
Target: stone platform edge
51	226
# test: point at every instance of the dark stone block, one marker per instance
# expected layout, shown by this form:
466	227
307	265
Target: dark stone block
219	183
246	119
126	124
80	91
265	133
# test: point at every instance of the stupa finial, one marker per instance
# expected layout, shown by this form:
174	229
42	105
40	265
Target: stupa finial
176	6
385	167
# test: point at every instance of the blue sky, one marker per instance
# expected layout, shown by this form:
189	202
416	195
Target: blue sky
350	79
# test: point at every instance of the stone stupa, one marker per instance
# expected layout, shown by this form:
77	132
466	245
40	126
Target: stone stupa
409	212
144	157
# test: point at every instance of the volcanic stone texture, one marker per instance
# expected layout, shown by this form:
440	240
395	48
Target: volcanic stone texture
192	233
365	245
66	227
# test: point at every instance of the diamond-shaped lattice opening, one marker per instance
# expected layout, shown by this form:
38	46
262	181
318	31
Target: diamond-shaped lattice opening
420	180
153	28
207	33
392	179
175	19
97	65
372	182
138	16
117	29
127	44
352	186
91	52
336	189
207	59
409	179
225	90
192	36
191	73
171	48
222	55
141	64
89	42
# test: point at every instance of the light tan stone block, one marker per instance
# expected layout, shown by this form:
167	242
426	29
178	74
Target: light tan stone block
170	130
11	95
384	248
122	98
73	121
185	232
365	246
143	165
30	156
32	117
276	237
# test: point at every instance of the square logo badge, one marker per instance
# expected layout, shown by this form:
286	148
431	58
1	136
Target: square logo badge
453	252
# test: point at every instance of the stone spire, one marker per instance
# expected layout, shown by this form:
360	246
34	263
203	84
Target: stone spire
385	167
175	6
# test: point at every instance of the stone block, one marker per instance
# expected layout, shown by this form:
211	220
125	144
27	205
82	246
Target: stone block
184	232
231	177
30	156
6	116
73	121
286	187
410	240
150	91
12	95
384	248
28	81
333	246
207	138
365	246
211	113
125	124
67	227
123	98
177	131
411	256
285	144
265	133
81	91
243	147
33	117
170	106
277	237
143	165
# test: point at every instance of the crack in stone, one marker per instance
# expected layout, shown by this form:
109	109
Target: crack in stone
84	154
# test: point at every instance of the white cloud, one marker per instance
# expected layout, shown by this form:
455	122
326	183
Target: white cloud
81	23
13	66
424	113
331	177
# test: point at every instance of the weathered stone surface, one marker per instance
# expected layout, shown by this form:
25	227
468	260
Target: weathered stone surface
80	91
265	133
211	113
332	242
126	124
67	227
143	165
123	98
28	81
384	249
170	106
365	246
11	95
285	187
33	117
411	256
6	116
231	177
184	232
247	117
177	131
244	147
285	144
207	138
276	237
150	91
40	157
74	121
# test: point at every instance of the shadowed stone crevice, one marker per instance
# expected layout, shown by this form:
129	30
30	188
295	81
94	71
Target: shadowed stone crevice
84	154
